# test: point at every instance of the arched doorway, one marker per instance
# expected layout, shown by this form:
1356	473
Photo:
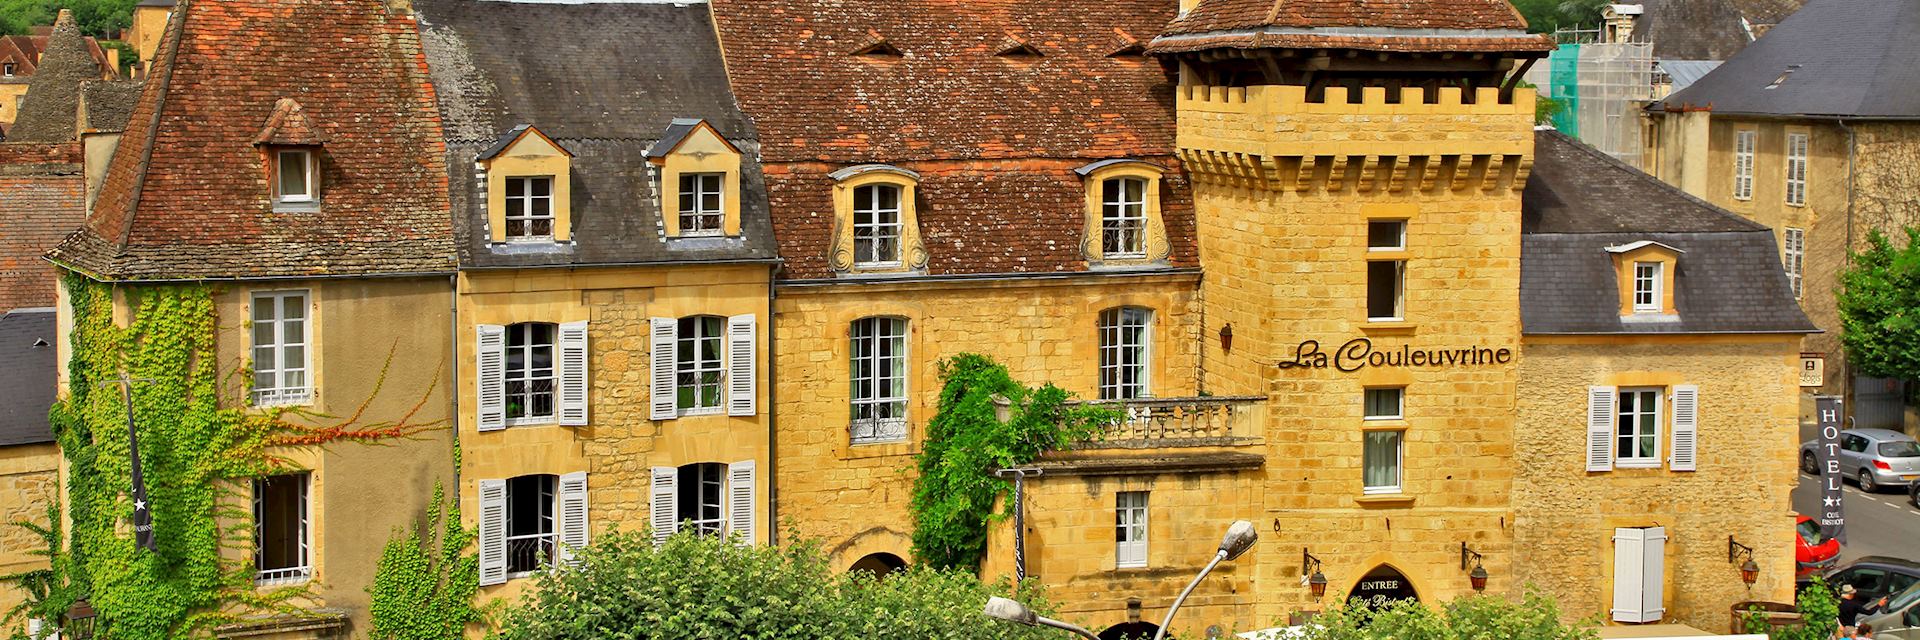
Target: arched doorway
879	564
1130	631
1382	585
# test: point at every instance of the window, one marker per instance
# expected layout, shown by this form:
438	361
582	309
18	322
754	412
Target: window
1899	449
1794	258
280	538
1638	435
701	374
1646	287
1797	169
1381	459
1385	290
294	175
876	225
700	500
1384	404
530	522
1124	350
530	372
280	337
529	208
1123	218
1744	143
700	210
7	69
1386	235
1130	530
879	380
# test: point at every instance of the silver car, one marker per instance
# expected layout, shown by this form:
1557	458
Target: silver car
1899	619
1874	457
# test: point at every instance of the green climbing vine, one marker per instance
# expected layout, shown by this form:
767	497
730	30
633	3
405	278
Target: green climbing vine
47	591
954	496
199	445
424	585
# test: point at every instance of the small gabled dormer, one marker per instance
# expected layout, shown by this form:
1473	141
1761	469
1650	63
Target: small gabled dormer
1124	45
291	146
1123	223
1016	46
1645	271
876	46
699	180
529	193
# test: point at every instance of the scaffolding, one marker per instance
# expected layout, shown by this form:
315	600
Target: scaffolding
1598	89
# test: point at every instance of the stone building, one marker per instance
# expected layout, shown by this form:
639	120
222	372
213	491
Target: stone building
1793	134
312	203
615	257
29	458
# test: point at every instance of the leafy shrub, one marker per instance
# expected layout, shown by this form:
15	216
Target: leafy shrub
1819	615
1478	617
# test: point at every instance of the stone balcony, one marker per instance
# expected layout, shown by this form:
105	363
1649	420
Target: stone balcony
1162	435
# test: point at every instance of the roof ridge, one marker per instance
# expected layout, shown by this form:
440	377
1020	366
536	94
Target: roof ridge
164	58
1620	165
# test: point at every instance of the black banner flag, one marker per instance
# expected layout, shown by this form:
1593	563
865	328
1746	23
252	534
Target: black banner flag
1832	520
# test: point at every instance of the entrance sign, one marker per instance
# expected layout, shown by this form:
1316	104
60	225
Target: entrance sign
1359	353
1832	520
1382	585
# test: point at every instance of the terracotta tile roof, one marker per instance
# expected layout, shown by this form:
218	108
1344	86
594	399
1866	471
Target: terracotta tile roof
42	197
1372	25
995	137
25	51
186	195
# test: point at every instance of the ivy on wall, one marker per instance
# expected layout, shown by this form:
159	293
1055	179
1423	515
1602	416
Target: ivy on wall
954	496
424	584
200	443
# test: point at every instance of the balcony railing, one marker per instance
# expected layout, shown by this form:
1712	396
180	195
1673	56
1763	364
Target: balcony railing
1179	422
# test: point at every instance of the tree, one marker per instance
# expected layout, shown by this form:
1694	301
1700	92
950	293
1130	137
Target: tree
1534	616
696	588
1879	305
97	18
1545	16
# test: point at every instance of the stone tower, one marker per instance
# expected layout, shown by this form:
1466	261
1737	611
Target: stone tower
1357	174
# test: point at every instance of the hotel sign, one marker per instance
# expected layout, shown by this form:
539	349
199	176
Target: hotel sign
1813	369
1359	353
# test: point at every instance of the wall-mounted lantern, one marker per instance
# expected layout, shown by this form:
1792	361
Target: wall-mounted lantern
1749	570
1226	337
1310	569
1477	577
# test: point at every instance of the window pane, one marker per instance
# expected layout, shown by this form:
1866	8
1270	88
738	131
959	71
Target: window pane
1386	234
280	523
1382	460
1383	403
293	173
1383	289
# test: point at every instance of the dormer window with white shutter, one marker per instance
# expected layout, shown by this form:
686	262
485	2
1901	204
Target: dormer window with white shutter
530	373
707	498
704	365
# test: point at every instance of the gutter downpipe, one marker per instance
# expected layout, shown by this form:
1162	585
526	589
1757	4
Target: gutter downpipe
1846	261
453	393
773	408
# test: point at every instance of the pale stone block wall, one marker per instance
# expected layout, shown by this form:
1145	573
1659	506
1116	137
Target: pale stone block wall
28	485
1565	516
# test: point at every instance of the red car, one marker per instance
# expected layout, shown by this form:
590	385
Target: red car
1815	552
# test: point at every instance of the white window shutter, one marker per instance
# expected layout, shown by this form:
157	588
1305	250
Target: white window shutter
1639	574
1600	419
572	396
493	532
742	385
1653	574
740	503
665	522
490	377
1686	428
665	332
572	510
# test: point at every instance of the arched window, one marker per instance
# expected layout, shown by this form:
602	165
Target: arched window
699	364
1125	349
530	522
530	371
879	377
879	564
1123	218
1130	631
876	225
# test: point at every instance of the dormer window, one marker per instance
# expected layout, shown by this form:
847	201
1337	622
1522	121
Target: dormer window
295	182
1646	287
876	228
7	69
1123	213
700	197
528	177
529	208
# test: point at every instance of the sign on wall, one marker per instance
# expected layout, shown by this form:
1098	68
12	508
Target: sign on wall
1359	353
1832	520
1813	369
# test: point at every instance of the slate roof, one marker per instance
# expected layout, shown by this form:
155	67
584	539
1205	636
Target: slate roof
1402	25
187	197
665	65
27	369
52	103
995	137
1579	201
1694	29
1833	58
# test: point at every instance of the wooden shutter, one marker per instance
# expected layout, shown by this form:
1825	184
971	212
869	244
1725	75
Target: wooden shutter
572	395
740	503
742	385
664	336
1639	574
493	532
490	377
665	520
572	510
1686	428
1600	419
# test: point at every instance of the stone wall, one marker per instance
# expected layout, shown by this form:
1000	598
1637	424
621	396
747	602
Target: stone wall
1565	515
28	486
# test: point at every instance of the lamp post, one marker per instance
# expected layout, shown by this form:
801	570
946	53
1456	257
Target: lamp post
1012	611
1240	537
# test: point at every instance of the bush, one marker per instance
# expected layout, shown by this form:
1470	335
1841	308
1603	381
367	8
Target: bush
625	588
1534	617
1819	615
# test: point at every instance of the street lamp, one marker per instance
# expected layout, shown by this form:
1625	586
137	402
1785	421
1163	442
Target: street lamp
1749	571
1011	611
1316	583
1240	538
1478	577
